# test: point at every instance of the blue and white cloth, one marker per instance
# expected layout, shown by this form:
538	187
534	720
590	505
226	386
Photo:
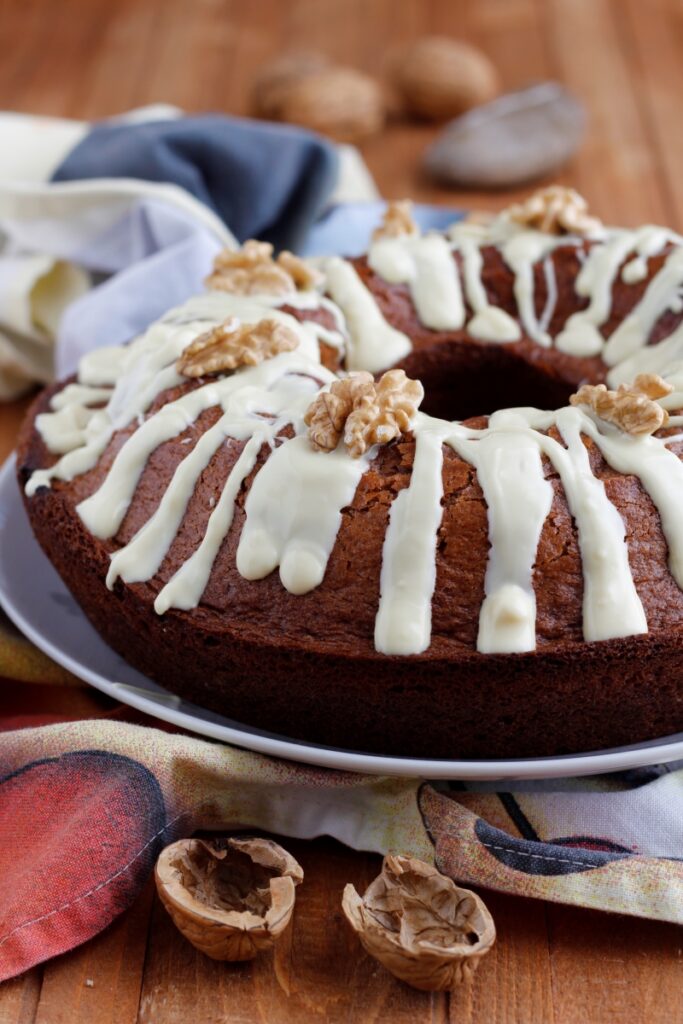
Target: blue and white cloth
105	227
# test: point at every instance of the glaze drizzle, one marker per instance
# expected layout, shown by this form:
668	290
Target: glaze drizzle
294	506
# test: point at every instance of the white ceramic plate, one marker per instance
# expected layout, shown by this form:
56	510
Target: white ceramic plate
38	602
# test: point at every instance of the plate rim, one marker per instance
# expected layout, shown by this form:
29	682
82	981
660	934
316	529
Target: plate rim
588	763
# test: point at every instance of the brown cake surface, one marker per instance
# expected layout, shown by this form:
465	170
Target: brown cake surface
305	665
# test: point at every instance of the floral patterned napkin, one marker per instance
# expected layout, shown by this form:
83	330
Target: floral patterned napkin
86	806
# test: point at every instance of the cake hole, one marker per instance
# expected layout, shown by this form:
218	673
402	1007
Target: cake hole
461	381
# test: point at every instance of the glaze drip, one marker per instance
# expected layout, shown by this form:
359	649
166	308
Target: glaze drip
518	497
294	513
438	293
427	266
404	617
373	344
294	507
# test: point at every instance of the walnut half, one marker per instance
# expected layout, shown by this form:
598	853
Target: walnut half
420	925
230	898
397	220
364	412
557	211
632	407
232	344
251	270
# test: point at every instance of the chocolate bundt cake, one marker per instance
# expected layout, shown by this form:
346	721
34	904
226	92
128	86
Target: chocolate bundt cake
476	577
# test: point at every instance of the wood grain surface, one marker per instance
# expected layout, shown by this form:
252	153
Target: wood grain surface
624	58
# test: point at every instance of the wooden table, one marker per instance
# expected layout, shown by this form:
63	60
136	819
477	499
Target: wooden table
90	58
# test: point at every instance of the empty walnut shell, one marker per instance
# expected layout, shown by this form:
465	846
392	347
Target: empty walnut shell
420	925
514	139
231	898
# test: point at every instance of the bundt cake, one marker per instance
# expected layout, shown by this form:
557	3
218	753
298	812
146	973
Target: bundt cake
470	577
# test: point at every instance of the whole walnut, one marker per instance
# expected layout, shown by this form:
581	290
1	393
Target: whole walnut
273	80
336	101
439	78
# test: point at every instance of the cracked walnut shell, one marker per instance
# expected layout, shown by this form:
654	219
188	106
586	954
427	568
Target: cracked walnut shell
230	898
363	411
233	344
632	407
420	925
555	210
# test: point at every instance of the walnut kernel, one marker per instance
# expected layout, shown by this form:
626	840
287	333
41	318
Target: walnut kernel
230	898
328	412
248	255
555	210
232	344
365	413
252	270
303	274
396	221
420	925
632	407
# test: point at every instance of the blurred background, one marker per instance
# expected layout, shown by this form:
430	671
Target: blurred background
621	58
461	105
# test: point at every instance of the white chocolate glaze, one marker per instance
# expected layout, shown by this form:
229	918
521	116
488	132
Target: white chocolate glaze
294	507
294	513
143	370
660	472
520	253
551	294
244	419
510	473
611	606
404	618
581	335
74	410
372	344
427	266
507	458
140	559
650	359
250	388
633	332
437	293
185	588
488	323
